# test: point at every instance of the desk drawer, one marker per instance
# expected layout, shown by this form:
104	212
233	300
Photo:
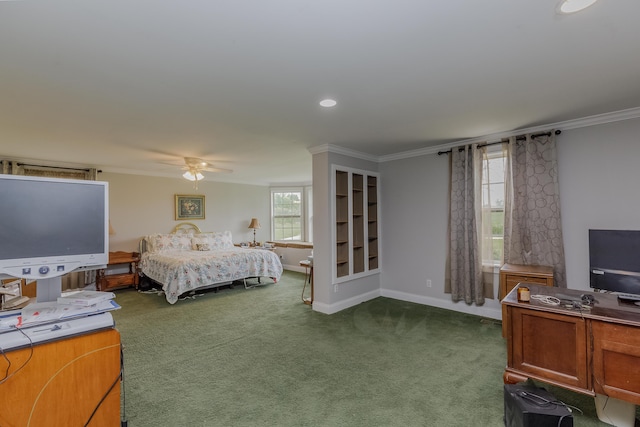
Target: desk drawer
514	279
120	279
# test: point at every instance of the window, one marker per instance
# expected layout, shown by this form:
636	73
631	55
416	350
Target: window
493	197
290	214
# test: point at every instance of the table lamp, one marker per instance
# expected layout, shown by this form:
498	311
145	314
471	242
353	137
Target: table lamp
255	224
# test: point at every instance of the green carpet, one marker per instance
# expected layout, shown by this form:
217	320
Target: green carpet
260	357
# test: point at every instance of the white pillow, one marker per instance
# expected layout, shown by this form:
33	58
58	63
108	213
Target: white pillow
215	241
169	242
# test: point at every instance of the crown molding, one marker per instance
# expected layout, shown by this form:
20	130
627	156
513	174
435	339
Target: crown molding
599	119
329	148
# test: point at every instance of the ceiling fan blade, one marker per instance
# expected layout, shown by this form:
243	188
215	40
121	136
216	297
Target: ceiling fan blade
174	164
215	169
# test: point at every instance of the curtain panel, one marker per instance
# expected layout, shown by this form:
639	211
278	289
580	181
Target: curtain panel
533	230
464	275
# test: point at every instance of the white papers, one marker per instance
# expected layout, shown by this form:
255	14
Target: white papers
85	298
44	312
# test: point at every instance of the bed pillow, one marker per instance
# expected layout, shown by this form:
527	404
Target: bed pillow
169	242
215	241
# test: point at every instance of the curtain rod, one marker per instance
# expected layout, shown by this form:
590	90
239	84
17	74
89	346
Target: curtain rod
518	138
56	167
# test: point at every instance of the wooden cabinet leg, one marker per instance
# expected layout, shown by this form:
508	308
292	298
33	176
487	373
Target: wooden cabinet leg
513	378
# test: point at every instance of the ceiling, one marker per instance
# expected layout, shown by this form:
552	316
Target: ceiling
131	85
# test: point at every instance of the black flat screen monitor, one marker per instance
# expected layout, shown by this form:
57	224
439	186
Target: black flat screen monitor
614	260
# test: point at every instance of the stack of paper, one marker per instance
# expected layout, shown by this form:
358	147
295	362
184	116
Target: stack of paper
44	312
85	298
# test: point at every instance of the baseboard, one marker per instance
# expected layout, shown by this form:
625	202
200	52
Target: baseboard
489	312
344	304
296	268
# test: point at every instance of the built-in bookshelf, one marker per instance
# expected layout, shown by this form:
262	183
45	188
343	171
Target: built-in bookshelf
356	222
372	221
342	223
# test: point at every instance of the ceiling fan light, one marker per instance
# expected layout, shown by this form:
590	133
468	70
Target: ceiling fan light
193	177
571	6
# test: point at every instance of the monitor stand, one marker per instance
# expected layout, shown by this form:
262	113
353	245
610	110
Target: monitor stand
48	290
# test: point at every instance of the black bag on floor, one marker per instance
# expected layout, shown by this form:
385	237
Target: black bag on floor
526	405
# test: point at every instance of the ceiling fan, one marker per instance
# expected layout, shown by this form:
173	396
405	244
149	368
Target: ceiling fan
194	167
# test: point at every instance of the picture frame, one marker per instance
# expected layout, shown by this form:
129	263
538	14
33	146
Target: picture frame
189	206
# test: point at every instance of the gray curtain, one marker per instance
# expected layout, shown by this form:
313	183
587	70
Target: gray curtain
463	277
533	230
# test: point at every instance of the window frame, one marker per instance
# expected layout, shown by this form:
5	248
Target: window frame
306	211
491	154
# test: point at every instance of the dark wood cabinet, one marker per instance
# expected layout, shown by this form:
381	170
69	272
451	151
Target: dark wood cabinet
549	345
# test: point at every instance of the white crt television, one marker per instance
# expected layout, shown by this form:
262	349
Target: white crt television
50	227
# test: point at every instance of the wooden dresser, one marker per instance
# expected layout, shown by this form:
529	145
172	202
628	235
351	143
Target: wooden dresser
512	274
128	261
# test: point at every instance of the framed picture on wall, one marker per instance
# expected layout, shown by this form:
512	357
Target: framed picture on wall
189	206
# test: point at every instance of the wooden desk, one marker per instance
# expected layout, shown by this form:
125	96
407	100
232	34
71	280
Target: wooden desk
60	383
594	351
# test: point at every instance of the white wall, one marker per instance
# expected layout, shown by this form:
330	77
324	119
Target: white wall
599	172
327	299
141	205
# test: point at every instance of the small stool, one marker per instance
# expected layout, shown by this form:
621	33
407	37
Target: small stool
308	277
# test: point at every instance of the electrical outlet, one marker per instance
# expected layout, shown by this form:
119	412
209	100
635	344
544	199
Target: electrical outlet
428	283
335	288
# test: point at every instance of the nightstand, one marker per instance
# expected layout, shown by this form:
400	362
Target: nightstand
127	262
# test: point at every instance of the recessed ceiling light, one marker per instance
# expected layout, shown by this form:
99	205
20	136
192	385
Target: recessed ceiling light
571	6
328	103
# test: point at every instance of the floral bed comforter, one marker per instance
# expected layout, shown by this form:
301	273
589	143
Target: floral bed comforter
182	271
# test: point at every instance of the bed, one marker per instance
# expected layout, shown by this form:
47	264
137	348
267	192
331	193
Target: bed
187	259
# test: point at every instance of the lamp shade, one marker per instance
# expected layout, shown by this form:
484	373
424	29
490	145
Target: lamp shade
111	230
254	223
